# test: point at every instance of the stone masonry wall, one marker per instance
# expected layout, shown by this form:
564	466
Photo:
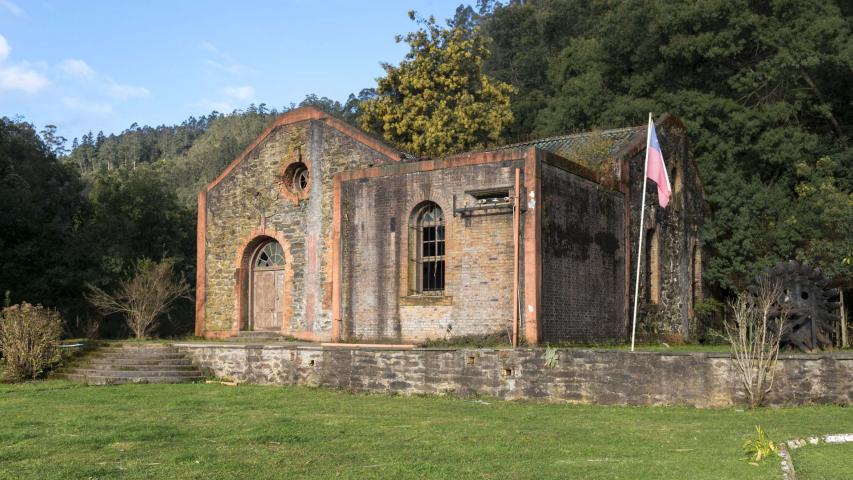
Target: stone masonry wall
248	199
678	233
580	376
375	233
583	259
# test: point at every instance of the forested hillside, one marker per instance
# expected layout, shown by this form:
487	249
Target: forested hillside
763	88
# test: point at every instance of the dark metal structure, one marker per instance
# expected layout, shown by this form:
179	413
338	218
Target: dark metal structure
811	306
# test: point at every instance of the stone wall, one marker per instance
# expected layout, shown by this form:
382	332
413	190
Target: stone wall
375	231
677	236
250	202
580	376
583	258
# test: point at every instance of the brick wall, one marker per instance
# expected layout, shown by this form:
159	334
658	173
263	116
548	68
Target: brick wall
583	275
248	202
580	376
375	233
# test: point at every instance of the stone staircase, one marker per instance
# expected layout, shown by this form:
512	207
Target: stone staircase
115	363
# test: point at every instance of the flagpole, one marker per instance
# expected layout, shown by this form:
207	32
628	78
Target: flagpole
640	241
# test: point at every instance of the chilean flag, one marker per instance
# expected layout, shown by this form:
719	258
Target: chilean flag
656	168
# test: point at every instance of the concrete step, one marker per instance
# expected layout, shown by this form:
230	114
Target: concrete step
137	350
112	363
133	367
130	344
136	355
110	360
107	380
131	373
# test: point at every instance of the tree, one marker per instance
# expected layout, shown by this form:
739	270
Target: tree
438	101
754	336
42	206
761	87
55	143
134	214
825	205
142	298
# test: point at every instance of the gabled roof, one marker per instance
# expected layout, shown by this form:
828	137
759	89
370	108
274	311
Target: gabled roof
311	113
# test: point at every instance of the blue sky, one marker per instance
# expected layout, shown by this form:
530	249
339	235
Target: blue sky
102	65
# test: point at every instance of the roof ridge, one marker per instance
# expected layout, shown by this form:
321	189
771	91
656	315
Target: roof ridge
609	131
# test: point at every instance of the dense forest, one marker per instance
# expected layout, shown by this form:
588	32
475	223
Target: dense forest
763	88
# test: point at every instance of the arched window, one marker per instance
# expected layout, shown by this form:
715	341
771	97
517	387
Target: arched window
270	256
426	274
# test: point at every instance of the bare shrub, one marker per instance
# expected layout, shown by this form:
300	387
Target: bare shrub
29	340
143	298
754	337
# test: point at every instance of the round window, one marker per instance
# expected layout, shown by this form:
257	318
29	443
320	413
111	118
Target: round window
295	179
300	179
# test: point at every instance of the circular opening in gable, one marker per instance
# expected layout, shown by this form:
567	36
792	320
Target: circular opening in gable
295	178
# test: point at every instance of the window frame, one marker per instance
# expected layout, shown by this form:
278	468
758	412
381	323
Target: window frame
428	250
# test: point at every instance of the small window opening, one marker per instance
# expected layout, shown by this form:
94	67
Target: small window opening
653	270
491	197
507	372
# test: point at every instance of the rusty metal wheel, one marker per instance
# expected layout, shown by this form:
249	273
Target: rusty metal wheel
811	306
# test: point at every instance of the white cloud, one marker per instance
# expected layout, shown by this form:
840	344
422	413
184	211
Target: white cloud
21	76
15	77
79	105
5	48
123	91
77	68
244	92
13	9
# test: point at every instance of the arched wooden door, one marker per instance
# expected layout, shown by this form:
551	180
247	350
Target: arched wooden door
267	290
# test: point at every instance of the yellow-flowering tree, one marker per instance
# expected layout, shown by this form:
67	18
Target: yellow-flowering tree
438	101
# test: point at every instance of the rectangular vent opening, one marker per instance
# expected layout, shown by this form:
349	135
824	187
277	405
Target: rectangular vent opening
492	196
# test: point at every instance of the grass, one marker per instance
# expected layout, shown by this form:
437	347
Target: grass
824	462
58	430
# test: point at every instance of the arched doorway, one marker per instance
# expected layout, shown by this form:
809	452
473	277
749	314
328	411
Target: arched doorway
266	305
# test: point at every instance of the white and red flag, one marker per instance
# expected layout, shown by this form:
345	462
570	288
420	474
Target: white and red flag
656	171
656	168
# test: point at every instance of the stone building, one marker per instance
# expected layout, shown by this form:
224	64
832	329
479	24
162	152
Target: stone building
324	233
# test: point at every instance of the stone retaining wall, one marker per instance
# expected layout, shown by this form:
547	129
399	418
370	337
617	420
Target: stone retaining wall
580	376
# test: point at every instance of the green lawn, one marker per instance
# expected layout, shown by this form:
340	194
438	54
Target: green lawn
824	462
61	430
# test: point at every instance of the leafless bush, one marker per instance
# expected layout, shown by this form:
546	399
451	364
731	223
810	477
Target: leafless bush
29	340
754	337
143	298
